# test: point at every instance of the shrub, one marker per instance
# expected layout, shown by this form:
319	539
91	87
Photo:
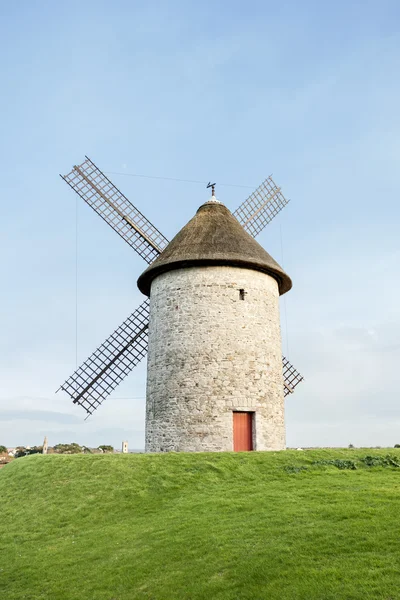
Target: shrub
380	461
337	462
3	449
295	469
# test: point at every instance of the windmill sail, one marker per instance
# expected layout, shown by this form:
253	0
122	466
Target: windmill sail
291	377
100	374
260	207
101	194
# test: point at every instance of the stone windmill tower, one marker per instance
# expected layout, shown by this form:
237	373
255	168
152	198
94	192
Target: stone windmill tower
216	376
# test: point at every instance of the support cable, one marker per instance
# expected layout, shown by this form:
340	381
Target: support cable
176	179
284	298
76	282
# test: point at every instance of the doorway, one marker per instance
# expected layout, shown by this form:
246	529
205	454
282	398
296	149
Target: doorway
242	431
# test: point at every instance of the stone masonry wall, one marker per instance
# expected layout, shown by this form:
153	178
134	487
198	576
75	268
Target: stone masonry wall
211	353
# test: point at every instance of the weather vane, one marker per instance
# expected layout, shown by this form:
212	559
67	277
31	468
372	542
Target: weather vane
212	186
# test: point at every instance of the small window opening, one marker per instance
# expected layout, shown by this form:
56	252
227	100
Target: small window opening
242	294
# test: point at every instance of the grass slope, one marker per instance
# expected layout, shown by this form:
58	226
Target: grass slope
200	526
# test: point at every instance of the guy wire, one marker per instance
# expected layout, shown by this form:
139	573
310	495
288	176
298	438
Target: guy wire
76	283
175	179
284	299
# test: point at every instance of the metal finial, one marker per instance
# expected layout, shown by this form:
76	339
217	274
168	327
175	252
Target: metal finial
212	186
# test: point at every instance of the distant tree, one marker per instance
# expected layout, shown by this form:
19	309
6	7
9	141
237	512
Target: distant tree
106	448
397	445
73	448
35	450
351	446
20	451
3	449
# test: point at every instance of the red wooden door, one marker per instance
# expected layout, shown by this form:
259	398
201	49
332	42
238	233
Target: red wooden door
242	431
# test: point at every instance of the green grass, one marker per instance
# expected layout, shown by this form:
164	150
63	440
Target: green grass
201	526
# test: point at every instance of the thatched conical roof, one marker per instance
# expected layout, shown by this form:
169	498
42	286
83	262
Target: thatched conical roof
214	237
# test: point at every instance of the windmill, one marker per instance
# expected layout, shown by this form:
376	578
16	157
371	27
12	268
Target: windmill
116	357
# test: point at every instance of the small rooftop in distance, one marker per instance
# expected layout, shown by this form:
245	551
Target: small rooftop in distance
214	237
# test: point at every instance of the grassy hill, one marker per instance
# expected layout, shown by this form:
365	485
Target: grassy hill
201	526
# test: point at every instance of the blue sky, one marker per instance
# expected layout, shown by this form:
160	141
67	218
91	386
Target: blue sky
229	91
